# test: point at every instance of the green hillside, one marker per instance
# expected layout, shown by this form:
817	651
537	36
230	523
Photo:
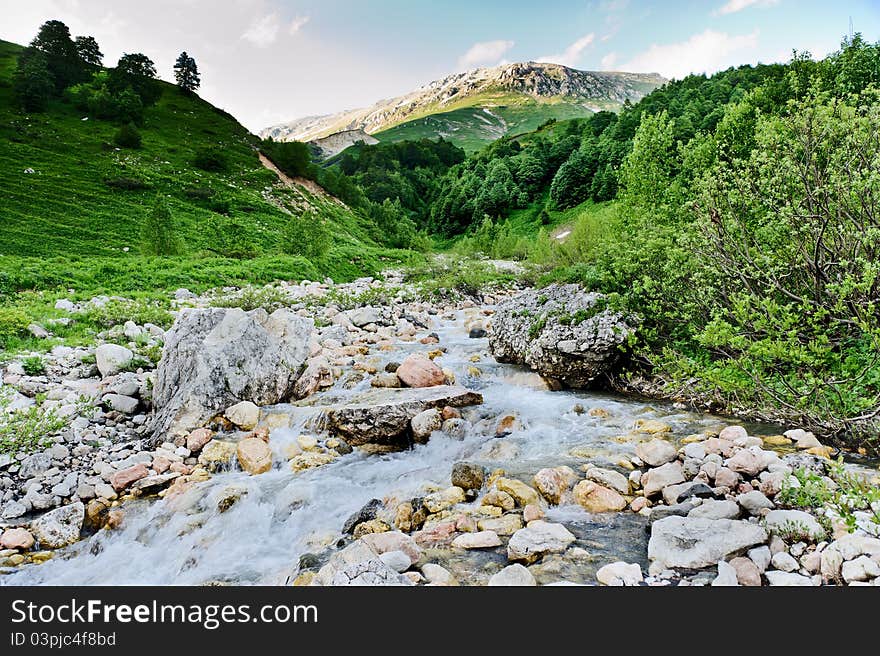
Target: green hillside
88	197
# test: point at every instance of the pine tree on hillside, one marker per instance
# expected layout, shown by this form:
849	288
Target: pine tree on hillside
33	83
137	71
158	235
54	41
89	52
187	73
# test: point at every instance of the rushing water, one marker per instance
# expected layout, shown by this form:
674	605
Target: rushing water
281	515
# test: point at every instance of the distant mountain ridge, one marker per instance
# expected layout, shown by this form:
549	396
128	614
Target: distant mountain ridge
524	83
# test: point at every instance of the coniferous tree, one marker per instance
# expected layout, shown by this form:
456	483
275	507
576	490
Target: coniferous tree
186	72
89	52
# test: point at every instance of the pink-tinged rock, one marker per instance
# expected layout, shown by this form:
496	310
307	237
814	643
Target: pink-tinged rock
731	433
532	512
16	538
180	468
724	477
638	504
419	371
466	524
718	446
747	572
122	479
479	540
553	483
437	534
161	464
198	438
597	498
747	462
393	541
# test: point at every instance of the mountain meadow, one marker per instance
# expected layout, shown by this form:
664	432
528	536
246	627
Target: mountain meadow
733	217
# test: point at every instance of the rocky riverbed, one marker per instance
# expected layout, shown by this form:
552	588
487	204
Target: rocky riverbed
336	440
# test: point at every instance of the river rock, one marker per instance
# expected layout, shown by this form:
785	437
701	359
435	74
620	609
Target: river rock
596	498
216	357
396	560
469	476
112	358
521	493
125	477
254	455
794	520
750	461
245	415
382	415
553	483
444	499
538	538
420	371
358	565
695	542
656	479
609	478
127	405
656	452
437	575
197	440
504	525
16	538
513	575
478	540
389	541
860	569
620	574
715	509
317	375
747	573
425	423
754	502
726	576
217	454
60	527
803	439
777	578
531	329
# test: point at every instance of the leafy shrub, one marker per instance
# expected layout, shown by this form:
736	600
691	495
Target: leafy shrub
127	184
211	159
117	312
28	429
33	365
158	234
127	137
307	236
13	323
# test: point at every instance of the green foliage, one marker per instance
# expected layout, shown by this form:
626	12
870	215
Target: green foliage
33	82
158	233
211	159
13	323
60	51
33	365
99	99
136	71
306	235
28	429
117	312
810	491
89	52
292	157
128	137
249	298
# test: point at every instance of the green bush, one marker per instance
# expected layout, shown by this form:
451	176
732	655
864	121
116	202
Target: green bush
13	323
307	236
126	184
211	159
158	232
127	137
33	365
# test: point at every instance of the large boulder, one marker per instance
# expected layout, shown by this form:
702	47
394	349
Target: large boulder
382	416
560	331
695	542
357	565
418	370
59	527
216	357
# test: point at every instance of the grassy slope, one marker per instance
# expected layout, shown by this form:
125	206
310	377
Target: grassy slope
467	123
65	209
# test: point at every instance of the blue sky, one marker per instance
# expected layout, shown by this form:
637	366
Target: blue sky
273	60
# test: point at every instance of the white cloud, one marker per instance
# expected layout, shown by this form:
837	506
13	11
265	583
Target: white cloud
485	53
733	6
263	31
298	23
707	52
572	53
608	61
